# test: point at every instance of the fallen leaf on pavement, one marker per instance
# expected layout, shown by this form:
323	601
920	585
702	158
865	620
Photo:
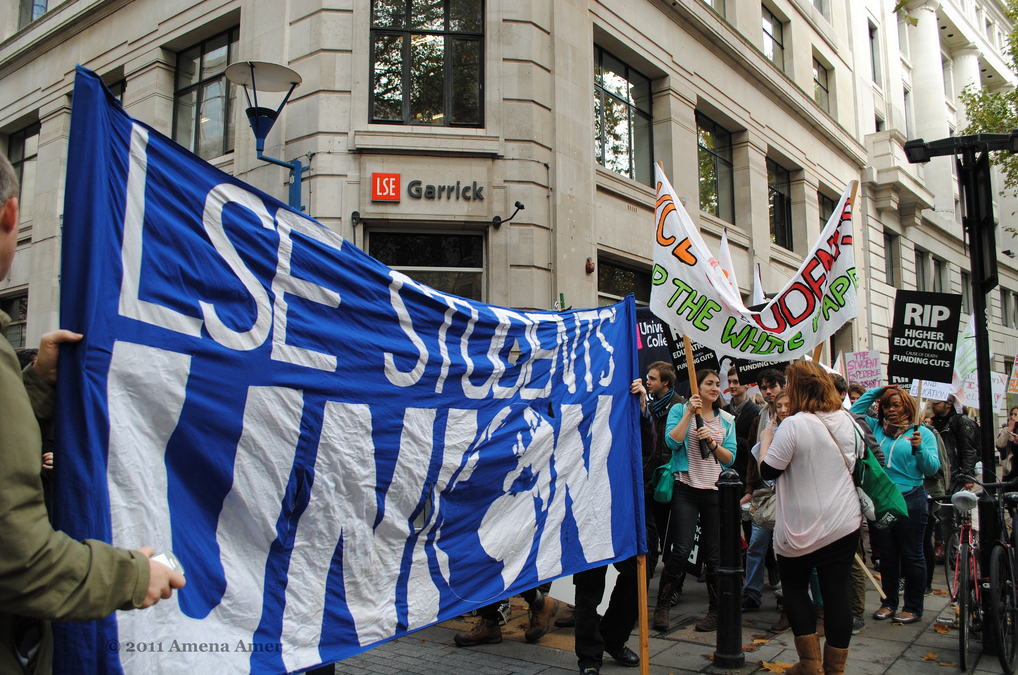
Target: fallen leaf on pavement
939	591
930	656
758	636
760	641
941	628
749	648
777	667
709	657
952	664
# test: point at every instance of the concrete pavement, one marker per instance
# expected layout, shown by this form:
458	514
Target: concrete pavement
880	649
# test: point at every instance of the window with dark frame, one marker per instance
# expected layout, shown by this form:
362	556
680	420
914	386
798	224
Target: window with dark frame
16	307
890	259
779	203
203	99
427	62
938	275
773	38
615	281
30	10
822	7
717	189
717	5
23	153
921	283
1005	313
875	66
966	293
622	118
827	206
451	262
821	86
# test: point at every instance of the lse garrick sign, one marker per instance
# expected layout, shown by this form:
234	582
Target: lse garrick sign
385	187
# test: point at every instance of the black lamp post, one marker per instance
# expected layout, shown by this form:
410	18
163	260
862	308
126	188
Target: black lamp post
972	157
268	77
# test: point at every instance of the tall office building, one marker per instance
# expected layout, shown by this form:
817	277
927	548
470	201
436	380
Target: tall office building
760	113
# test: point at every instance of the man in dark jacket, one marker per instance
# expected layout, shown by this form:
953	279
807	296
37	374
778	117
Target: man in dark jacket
961	438
747	414
653	416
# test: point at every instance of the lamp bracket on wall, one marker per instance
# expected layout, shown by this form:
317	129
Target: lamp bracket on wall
497	220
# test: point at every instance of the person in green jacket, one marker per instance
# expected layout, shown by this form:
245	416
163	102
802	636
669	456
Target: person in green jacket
44	574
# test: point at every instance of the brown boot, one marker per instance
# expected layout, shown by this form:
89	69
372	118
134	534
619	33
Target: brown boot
485	632
665	588
810	660
819	611
834	660
541	612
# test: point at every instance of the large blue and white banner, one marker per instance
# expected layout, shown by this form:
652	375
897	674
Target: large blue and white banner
337	454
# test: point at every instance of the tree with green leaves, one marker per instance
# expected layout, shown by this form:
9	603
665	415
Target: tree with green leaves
997	112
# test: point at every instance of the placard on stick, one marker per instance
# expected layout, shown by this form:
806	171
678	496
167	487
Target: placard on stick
923	337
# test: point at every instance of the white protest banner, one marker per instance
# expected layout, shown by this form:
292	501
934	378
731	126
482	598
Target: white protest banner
998	385
864	368
1012	386
932	391
691	294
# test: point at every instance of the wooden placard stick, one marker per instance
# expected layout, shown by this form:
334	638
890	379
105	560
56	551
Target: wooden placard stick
641	586
694	390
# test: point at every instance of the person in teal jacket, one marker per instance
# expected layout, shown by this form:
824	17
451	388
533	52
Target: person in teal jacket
911	452
695	494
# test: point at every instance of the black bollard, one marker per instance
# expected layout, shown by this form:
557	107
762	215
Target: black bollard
728	654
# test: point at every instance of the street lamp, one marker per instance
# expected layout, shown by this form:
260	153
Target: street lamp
268	77
972	157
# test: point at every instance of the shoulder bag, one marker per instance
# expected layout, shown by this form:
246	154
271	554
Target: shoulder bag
664	483
879	498
762	507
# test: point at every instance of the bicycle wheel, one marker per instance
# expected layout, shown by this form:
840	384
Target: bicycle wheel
962	600
951	564
1003	605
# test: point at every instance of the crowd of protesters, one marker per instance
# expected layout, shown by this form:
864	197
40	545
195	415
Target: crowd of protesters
797	433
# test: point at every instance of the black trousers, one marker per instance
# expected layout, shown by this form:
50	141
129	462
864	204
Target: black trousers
594	636
833	564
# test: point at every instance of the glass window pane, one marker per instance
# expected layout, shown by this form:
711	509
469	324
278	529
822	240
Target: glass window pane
620	282
598	128
427	79
642	153
389	13
466	81
640	91
615	78
388	94
705	137
211	122
726	192
216	55
26	200
616	136
466	16
183	126
427	15
708	183
464	284
229	117
409	249
187	67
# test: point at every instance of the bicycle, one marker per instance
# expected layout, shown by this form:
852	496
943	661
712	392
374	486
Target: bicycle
961	565
1001	584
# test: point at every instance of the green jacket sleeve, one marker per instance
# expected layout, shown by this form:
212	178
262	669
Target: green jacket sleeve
43	572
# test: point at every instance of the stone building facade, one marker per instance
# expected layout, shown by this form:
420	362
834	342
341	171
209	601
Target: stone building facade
759	112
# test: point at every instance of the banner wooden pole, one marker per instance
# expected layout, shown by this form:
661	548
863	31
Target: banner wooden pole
817	351
694	390
869	575
641	582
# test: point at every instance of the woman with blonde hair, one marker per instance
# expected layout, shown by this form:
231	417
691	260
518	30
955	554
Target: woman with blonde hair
811	457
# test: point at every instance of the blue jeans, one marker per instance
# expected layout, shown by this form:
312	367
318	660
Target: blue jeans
901	555
756	562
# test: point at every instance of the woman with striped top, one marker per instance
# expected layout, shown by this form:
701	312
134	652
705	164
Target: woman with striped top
696	493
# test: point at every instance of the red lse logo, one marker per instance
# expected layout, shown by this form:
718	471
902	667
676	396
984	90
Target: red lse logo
385	187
